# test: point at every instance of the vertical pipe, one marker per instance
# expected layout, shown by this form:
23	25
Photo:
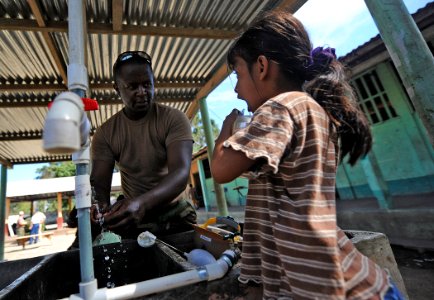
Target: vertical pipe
221	200
78	83
410	55
202	179
84	235
3	181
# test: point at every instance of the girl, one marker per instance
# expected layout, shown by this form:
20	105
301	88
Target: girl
305	120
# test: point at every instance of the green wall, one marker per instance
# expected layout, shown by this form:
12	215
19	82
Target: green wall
401	146
233	198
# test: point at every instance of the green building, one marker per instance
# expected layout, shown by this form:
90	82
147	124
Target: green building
402	159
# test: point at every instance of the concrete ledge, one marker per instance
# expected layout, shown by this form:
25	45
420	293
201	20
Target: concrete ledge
376	246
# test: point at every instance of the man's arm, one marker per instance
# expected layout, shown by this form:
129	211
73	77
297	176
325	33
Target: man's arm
131	211
179	162
101	180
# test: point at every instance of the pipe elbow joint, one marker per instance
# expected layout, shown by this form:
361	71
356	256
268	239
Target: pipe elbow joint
219	269
66	126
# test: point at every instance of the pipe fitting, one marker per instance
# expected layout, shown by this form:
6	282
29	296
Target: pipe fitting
62	124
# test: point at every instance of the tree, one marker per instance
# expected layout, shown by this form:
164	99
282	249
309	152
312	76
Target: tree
56	169
199	132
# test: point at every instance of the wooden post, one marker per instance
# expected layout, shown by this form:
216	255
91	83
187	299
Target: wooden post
8	208
410	54
220	196
59	211
69	203
3	184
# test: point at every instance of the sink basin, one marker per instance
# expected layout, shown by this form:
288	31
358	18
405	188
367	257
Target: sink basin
58	275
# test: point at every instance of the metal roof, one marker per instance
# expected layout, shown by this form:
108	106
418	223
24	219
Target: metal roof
187	40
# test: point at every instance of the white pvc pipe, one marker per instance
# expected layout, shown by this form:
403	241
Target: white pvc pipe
206	273
78	83
77	72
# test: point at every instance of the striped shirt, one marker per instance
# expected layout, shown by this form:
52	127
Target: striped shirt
291	242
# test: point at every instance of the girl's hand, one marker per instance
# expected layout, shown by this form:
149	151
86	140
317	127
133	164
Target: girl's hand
228	123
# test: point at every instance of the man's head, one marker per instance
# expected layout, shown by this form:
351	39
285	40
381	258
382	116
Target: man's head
21	213
134	82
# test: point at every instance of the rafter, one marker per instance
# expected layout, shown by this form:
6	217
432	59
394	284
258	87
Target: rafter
31	25
16	88
223	71
211	84
107	101
5	162
40	159
22	135
36	10
117	13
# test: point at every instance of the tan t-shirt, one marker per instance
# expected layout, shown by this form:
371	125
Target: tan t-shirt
140	147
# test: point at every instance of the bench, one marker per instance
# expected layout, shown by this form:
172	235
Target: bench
22	240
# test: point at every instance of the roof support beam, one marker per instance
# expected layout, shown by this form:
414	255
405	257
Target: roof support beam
212	83
31	25
223	71
19	136
36	10
5	162
16	88
117	13
41	159
291	5
23	103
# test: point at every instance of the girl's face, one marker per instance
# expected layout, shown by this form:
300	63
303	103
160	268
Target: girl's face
246	88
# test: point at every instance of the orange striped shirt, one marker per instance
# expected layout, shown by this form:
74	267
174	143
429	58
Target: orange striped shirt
291	242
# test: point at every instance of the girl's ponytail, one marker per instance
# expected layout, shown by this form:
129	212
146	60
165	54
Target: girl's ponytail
327	83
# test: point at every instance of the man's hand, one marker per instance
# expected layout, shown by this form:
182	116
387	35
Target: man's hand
124	214
96	213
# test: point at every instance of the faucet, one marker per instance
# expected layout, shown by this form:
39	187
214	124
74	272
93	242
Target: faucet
66	130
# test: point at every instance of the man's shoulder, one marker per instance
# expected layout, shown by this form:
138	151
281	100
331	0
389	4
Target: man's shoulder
167	109
110	122
170	113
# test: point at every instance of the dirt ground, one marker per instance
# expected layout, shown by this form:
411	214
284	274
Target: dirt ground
417	270
416	267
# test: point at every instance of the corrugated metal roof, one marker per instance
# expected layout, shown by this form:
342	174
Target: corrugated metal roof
187	39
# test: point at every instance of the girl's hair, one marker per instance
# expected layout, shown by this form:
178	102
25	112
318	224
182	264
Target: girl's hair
280	37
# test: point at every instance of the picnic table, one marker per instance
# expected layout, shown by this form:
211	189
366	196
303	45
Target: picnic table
22	240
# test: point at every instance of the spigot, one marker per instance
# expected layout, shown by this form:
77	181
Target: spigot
66	127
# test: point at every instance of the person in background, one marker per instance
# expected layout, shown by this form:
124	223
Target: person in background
21	224
193	196
152	145
37	220
305	121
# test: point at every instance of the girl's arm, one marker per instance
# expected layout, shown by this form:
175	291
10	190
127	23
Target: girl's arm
227	163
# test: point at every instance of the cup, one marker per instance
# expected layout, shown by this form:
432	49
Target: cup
241	122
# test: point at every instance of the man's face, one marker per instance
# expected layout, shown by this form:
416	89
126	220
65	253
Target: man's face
135	85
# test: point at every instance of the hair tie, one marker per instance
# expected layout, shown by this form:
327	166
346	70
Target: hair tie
320	59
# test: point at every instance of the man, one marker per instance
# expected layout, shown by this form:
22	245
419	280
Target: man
152	147
37	219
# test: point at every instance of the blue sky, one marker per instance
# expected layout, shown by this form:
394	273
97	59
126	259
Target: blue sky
341	24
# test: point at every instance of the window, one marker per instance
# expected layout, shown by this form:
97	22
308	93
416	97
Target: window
372	98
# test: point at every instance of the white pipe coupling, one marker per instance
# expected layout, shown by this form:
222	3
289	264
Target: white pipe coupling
83	191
